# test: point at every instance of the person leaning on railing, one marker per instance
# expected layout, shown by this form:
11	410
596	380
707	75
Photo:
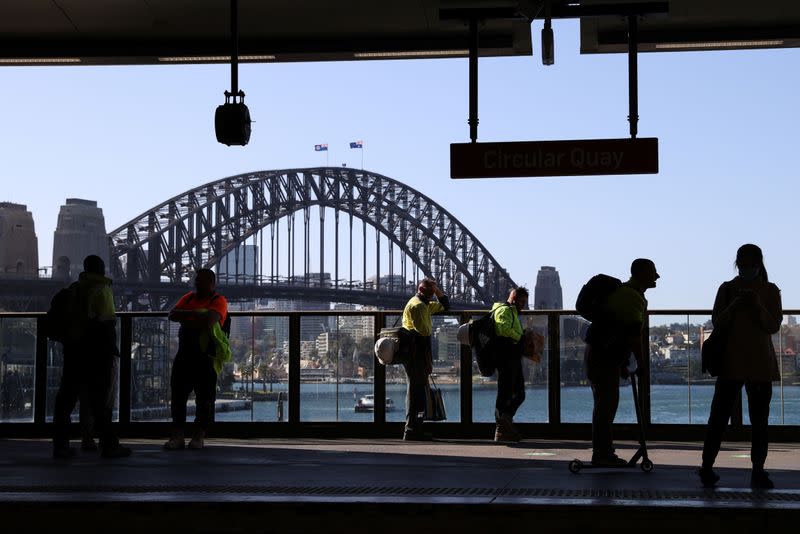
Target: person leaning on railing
201	314
748	311
417	320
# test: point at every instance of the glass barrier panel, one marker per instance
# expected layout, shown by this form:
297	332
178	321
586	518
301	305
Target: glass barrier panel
154	344
17	369
337	372
680	392
785	405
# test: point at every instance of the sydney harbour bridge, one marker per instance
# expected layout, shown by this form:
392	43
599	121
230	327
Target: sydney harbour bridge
324	234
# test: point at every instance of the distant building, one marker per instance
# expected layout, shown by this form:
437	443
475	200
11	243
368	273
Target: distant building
19	247
547	294
81	231
239	266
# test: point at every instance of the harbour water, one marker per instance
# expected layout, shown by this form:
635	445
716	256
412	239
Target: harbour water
674	404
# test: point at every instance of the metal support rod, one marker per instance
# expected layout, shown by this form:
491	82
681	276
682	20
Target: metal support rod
321	244
553	369
633	75
379	321
235	48
473	80
125	345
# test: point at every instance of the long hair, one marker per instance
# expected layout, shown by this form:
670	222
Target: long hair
754	251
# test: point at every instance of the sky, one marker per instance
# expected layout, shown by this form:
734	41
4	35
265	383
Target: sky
131	137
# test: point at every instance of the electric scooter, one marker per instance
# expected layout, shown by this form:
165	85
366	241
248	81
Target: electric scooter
641	453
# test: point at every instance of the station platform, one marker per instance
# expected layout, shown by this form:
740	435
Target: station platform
386	486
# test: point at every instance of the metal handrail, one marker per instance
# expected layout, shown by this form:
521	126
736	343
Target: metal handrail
552	360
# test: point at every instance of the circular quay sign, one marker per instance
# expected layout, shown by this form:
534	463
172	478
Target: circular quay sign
554	158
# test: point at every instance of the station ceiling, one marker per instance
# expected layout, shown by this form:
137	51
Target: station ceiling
128	32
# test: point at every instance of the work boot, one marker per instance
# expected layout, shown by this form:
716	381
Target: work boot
175	443
708	478
504	429
759	479
198	440
413	431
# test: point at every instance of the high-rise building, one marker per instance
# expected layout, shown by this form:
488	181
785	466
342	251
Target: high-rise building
547	294
81	231
239	266
19	248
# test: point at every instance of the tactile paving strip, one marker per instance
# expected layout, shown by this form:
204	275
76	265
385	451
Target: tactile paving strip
379	491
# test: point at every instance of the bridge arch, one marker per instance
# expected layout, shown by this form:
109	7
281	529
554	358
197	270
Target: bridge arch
201	226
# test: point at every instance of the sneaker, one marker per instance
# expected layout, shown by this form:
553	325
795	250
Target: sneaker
175	443
611	460
116	452
88	445
64	453
198	441
708	478
759	479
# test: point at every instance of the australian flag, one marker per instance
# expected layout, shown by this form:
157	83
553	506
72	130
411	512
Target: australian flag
321	148
357	144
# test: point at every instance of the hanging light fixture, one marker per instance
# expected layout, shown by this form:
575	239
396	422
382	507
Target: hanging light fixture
232	119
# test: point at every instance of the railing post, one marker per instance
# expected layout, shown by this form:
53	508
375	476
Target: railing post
126	342
466	377
644	375
40	377
379	413
294	368
553	369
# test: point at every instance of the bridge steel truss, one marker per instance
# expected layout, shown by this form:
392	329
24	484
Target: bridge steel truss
198	228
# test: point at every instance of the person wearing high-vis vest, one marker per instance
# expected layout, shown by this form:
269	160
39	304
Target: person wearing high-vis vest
201	313
417	320
508	359
90	357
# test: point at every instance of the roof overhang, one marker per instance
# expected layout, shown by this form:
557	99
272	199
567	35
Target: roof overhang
697	25
131	32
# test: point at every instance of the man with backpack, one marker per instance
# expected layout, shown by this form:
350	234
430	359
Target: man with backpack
508	360
82	318
202	351
417	320
618	312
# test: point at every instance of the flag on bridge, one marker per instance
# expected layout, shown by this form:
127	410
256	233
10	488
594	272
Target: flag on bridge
357	144
321	148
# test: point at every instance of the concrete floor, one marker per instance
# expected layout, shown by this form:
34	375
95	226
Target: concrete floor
331	476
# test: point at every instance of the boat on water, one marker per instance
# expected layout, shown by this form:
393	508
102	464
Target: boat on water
367	404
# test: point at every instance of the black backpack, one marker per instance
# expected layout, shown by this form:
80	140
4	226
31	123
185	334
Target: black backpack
60	323
593	298
482	336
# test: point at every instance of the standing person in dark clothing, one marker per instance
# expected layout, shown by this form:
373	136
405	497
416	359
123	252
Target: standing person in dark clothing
748	310
417	319
508	350
201	314
89	361
610	342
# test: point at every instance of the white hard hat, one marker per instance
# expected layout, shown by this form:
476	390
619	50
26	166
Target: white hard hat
385	348
463	334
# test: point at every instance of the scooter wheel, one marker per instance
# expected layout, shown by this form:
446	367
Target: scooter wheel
575	466
647	466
